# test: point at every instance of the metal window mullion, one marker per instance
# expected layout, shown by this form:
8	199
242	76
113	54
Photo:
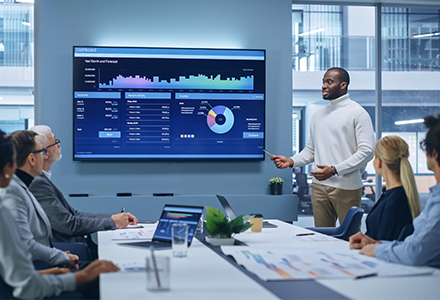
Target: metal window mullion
378	79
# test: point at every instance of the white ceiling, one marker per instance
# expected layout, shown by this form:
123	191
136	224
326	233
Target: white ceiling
432	3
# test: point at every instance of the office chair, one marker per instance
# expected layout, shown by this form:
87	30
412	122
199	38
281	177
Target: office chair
349	227
304	197
80	249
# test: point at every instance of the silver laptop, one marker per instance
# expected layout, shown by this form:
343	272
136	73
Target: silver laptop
231	215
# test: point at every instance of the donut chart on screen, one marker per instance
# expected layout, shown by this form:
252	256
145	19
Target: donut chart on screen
220	119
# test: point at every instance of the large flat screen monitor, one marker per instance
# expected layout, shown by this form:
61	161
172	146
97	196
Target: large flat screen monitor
168	103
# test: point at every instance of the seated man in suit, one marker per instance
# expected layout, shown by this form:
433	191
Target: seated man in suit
422	247
68	224
35	230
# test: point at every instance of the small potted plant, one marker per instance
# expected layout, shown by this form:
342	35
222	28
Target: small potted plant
222	230
276	185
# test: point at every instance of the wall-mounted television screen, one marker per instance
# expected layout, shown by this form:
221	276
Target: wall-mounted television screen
168	103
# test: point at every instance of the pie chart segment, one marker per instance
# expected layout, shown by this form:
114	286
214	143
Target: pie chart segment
220	119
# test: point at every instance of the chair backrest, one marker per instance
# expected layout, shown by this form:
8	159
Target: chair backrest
364	175
351	223
80	249
301	181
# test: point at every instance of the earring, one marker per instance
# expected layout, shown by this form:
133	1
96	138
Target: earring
7	176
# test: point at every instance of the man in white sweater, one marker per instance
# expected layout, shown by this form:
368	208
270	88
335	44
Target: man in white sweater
340	145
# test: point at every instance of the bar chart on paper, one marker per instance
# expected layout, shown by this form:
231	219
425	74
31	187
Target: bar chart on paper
288	264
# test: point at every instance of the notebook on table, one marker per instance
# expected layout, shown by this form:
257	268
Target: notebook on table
172	214
231	215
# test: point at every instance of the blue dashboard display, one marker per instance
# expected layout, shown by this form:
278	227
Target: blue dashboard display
168	103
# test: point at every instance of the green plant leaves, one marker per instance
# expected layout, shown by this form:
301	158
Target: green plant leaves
276	180
218	226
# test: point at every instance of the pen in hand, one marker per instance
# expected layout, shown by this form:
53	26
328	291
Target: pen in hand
267	152
303	234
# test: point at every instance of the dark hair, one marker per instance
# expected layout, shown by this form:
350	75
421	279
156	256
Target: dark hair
7	150
343	74
24	143
432	139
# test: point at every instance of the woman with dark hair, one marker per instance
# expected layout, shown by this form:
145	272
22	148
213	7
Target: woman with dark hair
17	270
7	160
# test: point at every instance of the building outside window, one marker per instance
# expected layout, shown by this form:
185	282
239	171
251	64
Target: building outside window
325	36
16	65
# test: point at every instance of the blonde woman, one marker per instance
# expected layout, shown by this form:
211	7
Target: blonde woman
400	203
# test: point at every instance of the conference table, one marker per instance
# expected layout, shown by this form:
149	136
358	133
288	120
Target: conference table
208	274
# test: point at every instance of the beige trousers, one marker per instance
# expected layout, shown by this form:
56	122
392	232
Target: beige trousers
330	203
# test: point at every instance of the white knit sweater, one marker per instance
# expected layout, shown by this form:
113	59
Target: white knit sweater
341	135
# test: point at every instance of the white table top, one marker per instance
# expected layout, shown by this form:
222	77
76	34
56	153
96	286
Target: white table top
206	275
201	275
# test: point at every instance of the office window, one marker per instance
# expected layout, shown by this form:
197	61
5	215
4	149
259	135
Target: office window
327	36
16	66
410	77
344	36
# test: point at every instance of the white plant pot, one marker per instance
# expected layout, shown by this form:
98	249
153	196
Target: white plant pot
219	241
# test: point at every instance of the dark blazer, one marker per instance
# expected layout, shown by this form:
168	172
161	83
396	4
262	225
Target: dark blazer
389	216
68	224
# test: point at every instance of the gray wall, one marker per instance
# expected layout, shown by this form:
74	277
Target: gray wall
252	24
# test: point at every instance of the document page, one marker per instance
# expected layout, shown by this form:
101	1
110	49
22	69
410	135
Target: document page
291	264
132	234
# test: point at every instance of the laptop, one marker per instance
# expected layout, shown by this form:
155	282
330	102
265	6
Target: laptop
172	214
231	215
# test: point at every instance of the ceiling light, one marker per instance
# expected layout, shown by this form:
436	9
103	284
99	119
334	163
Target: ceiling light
408	122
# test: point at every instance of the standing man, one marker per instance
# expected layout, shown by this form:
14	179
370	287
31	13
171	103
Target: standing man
68	224
341	144
422	247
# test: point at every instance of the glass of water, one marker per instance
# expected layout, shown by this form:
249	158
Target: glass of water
179	233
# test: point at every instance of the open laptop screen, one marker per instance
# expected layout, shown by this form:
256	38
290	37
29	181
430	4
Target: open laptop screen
172	214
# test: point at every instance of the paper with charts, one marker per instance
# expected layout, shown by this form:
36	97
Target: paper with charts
289	264
132	234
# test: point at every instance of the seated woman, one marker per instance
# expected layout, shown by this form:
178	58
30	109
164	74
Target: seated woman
394	212
18	277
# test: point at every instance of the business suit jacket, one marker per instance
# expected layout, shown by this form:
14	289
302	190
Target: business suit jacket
389	216
17	269
32	222
68	224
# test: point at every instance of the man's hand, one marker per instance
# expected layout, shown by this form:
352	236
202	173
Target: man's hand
54	271
73	261
281	162
323	174
360	240
92	271
124	219
369	250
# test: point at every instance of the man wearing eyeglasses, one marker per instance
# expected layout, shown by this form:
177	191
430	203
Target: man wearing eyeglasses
68	224
35	229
